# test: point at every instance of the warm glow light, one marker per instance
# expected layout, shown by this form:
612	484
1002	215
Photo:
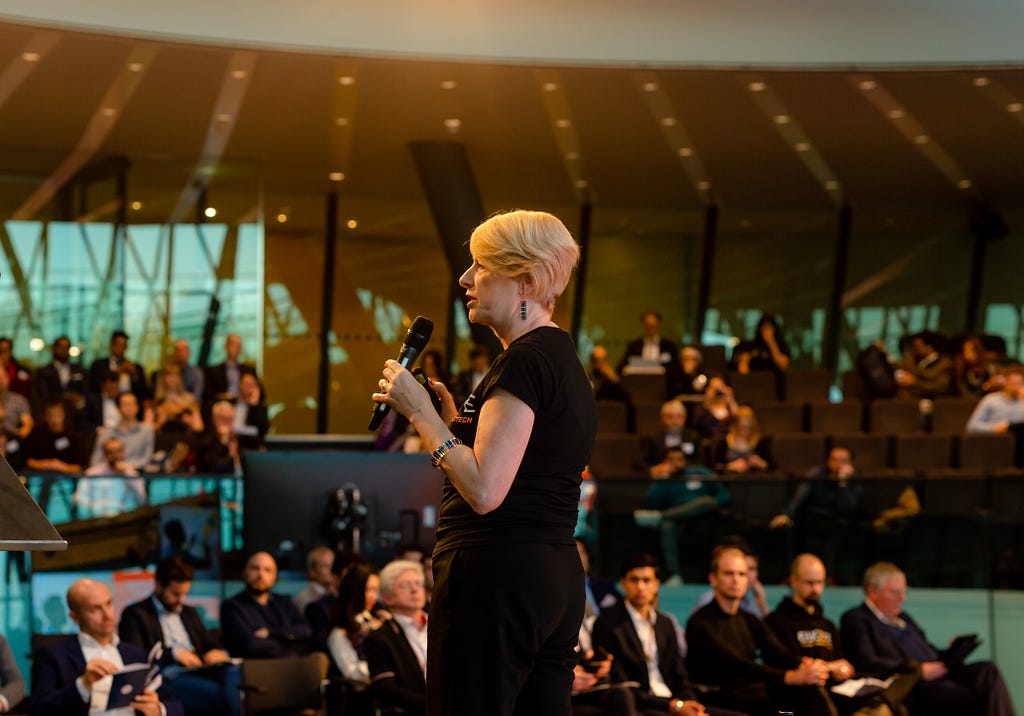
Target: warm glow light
336	176
572	156
453	124
136	205
685	152
831	185
209	212
1014	107
982	81
581	183
346	80
281	218
703	185
223	118
108	111
37	344
239	74
341	121
867	84
757	86
802	147
781	119
896	114
668	121
562	123
964	183
922	139
30	56
550	86
449	84
135	66
650	86
352	223
74	351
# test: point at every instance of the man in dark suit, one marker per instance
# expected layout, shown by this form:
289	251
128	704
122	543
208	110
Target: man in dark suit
643	644
69	675
879	638
164	617
397	652
129	374
222	379
651	346
258	623
60	378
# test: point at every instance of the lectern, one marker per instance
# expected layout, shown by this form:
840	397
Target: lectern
23	525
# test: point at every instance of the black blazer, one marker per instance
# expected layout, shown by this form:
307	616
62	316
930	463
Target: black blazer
216	383
614	632
48	381
140	625
55	668
636	348
869	644
101	366
395	673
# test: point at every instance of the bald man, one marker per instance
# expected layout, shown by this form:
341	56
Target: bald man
72	677
259	624
800	624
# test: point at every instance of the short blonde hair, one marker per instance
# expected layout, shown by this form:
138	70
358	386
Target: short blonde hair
527	244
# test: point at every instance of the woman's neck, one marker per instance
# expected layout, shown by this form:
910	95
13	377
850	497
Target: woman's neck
508	334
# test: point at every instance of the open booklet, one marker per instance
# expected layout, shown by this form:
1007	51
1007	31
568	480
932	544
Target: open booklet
133	679
866	686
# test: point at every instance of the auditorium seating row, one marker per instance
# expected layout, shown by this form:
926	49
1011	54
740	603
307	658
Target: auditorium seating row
620	456
798	386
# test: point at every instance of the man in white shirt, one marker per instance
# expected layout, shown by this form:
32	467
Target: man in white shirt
996	412
397	652
72	677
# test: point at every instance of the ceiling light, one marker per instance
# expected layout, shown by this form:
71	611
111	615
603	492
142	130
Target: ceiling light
896	114
341	121
74	351
757	86
550	86
922	139
650	86
831	185
281	218
352	223
239	74
37	344
685	152
453	124
703	185
781	119
449	84
1014	107
964	183
346	80
135	66
867	84
562	123
336	176
668	121
136	205
209	212
30	56
982	81
802	147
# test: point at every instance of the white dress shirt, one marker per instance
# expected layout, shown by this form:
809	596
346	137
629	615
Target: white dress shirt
645	631
415	630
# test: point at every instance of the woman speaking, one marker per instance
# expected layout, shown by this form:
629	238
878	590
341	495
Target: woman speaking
508	592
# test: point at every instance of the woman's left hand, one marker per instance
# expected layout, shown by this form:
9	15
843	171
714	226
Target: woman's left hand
399	389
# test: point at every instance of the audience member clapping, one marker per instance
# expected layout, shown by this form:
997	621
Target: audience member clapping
743	449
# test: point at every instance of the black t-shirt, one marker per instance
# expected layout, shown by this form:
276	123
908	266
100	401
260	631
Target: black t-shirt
805	634
42	444
541	369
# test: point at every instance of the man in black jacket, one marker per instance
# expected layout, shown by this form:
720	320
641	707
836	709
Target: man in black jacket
643	644
801	626
164	617
397	652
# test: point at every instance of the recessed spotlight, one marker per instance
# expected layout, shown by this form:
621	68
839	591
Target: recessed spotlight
341	121
135	66
336	176
703	185
449	84
562	123
982	81
685	152
108	111
30	56
581	183
668	121
1014	107
281	218
896	114
37	344
209	212
831	185
650	86
550	86
351	223
239	74
867	84
802	147
136	205
964	184
781	119
453	124
922	139
346	80
757	86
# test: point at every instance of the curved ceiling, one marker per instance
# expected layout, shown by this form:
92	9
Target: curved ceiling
662	32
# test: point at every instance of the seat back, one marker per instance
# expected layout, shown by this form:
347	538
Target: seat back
986	452
797	452
612	416
775	418
832	418
617	456
645	387
757	387
288	684
949	417
806	386
870	452
893	417
714	358
923	452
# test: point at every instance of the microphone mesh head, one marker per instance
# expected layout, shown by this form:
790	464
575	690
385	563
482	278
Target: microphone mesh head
419	333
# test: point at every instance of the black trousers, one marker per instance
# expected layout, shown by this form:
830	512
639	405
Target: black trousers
976	688
504	622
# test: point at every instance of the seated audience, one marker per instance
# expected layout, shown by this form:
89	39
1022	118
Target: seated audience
19	377
593	695
192	377
742	450
129	375
12	685
320	579
170	392
712	422
923	372
353	618
800	625
138	438
467	380
11	446
257	623
725	641
600	594
754	601
688	377
320	612
766	351
880	638
643	645
250	421
603	378
217	452
17	411
650	348
51	445
673	433
101	404
72	677
996	412
680	492
396	653
187	645
221	380
111	486
974	367
60	378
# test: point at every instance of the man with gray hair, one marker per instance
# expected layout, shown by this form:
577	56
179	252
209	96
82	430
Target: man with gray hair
397	652
321	580
879	638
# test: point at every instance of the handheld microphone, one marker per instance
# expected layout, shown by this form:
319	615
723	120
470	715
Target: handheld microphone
415	341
